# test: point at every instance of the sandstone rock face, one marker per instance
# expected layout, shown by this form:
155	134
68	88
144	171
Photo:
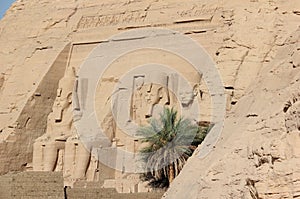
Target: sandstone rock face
254	43
32	185
257	154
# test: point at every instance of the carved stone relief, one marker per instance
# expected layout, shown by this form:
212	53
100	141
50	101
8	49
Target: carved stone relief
147	96
46	147
59	149
188	93
106	20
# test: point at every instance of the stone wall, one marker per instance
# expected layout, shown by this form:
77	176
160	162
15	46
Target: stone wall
96	193
39	185
32	185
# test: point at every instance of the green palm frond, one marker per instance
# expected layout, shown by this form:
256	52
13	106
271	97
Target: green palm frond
170	140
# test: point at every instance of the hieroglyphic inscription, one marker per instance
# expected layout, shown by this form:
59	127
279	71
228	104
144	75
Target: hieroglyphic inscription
197	11
106	20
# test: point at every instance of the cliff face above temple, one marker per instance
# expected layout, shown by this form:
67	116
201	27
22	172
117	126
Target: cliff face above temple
254	43
258	152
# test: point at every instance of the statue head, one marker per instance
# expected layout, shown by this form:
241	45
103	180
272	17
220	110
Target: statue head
188	91
154	93
138	81
63	98
156	90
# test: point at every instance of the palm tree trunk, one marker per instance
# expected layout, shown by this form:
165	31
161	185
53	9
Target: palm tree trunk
171	172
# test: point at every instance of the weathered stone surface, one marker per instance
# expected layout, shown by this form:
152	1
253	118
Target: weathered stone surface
254	43
32	121
38	185
32	185
257	155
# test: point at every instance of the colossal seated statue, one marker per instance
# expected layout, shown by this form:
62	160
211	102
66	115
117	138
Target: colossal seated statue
59	126
59	149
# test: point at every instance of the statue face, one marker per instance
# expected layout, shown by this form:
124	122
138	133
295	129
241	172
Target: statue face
186	97
187	94
187	90
139	82
58	108
62	101
153	94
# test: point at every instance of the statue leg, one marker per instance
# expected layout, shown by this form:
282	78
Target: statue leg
70	150
82	161
50	156
37	159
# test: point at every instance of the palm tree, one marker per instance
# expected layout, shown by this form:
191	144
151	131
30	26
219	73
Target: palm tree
170	142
